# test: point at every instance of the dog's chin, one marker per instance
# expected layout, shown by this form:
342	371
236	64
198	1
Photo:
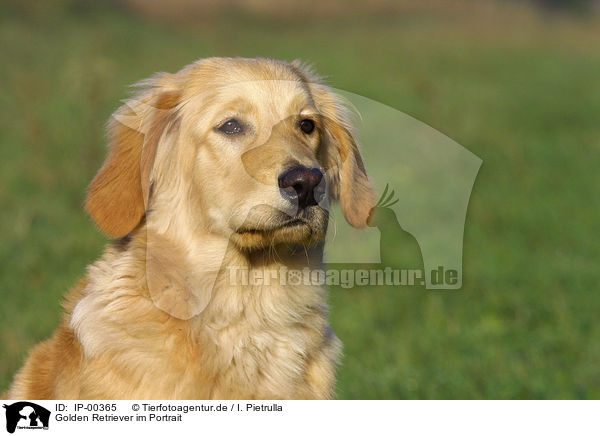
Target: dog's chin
303	231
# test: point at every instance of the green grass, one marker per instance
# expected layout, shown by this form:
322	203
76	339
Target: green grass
526	102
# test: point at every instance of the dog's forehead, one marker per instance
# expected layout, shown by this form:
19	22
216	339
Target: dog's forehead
265	87
278	97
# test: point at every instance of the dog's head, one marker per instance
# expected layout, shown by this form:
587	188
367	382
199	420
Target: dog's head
250	149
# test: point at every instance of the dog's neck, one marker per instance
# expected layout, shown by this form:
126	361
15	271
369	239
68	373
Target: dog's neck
185	309
182	277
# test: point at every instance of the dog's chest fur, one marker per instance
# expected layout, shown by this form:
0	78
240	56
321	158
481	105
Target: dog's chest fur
249	342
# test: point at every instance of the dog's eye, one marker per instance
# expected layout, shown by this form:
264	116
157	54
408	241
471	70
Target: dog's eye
307	126
231	127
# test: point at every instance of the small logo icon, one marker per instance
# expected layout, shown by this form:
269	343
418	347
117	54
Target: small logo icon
26	415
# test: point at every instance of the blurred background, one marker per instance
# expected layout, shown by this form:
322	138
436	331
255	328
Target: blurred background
515	82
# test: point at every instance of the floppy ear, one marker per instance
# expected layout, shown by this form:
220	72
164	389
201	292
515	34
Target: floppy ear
344	163
118	195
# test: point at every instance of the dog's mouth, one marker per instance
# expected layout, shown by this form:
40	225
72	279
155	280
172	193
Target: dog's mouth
288	224
307	228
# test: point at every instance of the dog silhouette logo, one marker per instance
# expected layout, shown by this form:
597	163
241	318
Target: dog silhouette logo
26	415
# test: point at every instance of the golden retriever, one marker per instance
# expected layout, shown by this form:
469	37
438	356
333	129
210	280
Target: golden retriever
226	165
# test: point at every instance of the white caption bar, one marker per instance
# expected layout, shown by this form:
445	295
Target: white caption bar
300	417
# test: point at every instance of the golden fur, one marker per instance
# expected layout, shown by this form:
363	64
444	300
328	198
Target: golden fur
157	317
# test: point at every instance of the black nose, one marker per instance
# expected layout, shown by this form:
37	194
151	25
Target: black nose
299	183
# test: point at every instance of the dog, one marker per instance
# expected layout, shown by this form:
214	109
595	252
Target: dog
225	166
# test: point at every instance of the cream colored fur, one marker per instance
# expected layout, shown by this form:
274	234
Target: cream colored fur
158	317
